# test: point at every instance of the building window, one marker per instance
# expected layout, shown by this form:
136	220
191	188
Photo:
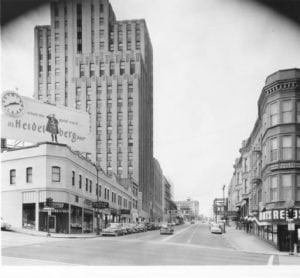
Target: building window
111	68
274	149
91	186
274	113
92	69
12	176
102	69
101	8
286	147
29	175
298	111
298	148
73	178
81	72
298	188
80	181
274	188
101	20
55	174
56	24
286	183
122	67
287	111
86	185
132	67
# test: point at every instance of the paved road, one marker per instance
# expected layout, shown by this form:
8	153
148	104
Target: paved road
190	245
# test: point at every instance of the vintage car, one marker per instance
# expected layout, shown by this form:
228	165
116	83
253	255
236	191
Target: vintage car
114	229
215	229
166	229
141	227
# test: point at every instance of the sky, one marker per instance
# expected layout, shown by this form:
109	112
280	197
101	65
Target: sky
211	59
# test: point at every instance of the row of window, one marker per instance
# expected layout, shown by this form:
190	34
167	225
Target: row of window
281	112
12	175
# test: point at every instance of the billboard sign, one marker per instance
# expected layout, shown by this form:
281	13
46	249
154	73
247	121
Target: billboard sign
29	120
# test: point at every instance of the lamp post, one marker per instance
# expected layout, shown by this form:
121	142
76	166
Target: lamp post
224	207
97	207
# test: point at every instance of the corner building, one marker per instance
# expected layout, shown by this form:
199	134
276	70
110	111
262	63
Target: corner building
88	60
266	179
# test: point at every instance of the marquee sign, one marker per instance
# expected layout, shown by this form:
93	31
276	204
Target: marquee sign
33	121
278	215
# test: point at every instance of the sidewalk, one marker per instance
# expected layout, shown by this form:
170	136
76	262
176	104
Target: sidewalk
242	241
52	235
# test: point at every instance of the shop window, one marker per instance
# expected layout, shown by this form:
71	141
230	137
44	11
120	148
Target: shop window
76	220
29	175
28	218
286	147
55	174
12	176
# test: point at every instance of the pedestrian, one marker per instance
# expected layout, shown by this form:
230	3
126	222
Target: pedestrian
52	127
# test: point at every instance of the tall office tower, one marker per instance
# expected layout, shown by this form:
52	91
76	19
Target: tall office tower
88	60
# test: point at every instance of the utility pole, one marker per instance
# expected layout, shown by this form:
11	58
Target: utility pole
224	207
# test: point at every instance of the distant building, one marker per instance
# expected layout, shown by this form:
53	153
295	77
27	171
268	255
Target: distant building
188	209
157	211
169	206
266	177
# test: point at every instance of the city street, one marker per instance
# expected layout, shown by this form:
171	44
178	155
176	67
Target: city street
189	245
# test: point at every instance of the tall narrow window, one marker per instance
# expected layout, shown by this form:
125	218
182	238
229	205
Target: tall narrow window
81	70
274	113
274	188
80	181
297	188
86	185
274	149
286	147
298	111
122	67
92	69
298	148
29	174
55	174
73	178
12	176
101	68
287	111
132	67
91	186
286	183
111	68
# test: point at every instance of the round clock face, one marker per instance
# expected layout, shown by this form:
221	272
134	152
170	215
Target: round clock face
12	104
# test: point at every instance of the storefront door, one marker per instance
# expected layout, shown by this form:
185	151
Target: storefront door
52	223
283	238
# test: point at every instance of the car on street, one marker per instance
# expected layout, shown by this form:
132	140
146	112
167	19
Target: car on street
166	229
5	226
192	221
114	229
215	229
142	227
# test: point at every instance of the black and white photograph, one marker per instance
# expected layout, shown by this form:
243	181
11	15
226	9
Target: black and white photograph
158	137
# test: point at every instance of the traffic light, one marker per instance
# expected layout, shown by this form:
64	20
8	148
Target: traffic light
49	202
290	213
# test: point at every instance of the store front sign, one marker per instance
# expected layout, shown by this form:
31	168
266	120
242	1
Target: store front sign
33	121
278	215
125	211
100	205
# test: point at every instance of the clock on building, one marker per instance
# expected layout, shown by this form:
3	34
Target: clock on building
12	103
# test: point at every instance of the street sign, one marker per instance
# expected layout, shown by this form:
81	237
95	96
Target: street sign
291	226
101	205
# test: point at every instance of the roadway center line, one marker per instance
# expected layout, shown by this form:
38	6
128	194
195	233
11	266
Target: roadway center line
271	259
178	233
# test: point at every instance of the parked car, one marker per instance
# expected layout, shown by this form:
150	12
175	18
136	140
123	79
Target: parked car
166	228
151	226
5	226
142	227
192	221
114	229
215	229
129	227
171	223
